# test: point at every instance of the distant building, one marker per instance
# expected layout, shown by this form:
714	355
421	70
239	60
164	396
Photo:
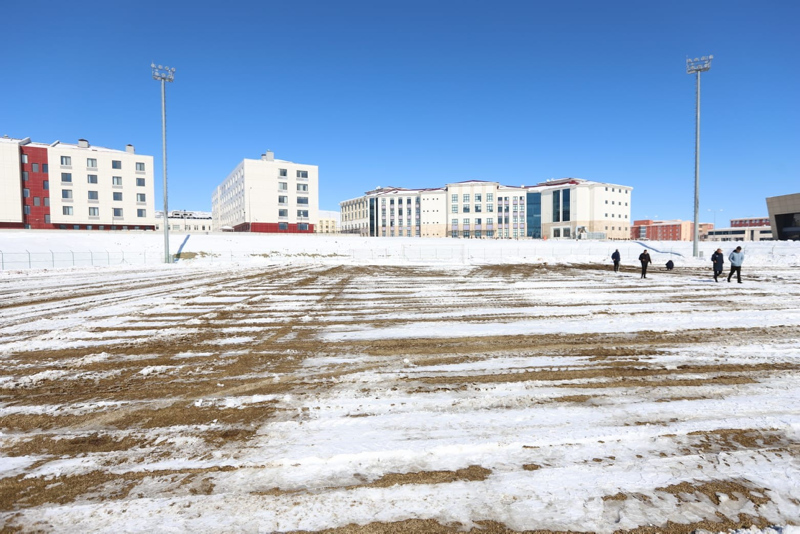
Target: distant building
327	222
748	222
567	208
185	221
74	187
784	216
674	230
741	233
267	195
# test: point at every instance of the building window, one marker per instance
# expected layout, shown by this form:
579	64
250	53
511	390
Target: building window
557	231
116	164
44	167
91	163
302	213
565	200
93	195
140	197
37	201
283	200
66	177
26	210
455	198
66	160
140	166
26	193
117	212
302	174
66	193
466	222
140	182
34	167
91	178
47	201
465	208
24	158
302	200
477	208
47	218
118	195
477	197
94	212
303	227
116	180
282	172
283	226
454	209
466	197
283	186
66	210
141	213
283	213
302	187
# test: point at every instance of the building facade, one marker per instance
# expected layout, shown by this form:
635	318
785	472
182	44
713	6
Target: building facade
674	230
267	195
569	208
327	222
740	233
749	222
784	216
185	221
75	187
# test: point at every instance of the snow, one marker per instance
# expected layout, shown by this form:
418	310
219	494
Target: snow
343	414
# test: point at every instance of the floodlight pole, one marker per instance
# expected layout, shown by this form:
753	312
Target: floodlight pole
164	74
696	66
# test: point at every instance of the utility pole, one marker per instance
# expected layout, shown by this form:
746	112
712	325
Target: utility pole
696	66
164	74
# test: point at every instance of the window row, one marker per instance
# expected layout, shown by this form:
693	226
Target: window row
35	168
285	173
300	213
95	195
285	200
66	177
91	163
284	186
95	212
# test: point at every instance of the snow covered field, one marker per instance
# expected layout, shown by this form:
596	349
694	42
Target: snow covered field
285	384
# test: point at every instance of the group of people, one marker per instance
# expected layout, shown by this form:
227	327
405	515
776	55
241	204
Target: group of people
717	259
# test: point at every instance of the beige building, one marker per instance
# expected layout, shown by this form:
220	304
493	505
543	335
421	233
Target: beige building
567	208
267	195
327	223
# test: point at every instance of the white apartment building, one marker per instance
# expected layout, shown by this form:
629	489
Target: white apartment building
267	195
80	186
567	208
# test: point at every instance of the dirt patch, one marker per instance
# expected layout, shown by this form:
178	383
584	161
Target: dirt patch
472	473
714	489
61	446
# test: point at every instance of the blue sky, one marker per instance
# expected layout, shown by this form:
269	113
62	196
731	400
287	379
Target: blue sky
421	93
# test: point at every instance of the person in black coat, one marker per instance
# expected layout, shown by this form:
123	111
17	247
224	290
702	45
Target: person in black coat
718	260
644	257
616	257
670	265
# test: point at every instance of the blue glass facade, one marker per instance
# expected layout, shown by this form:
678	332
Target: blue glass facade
534	218
565	205
557	206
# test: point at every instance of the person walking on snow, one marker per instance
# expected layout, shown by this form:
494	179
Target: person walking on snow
616	257
736	258
644	257
718	260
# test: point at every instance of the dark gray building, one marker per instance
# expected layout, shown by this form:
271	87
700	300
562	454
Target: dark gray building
784	216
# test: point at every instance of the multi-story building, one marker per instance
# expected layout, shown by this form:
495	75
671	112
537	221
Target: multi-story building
674	230
784	215
185	221
567	208
740	233
267	195
327	222
749	222
75	187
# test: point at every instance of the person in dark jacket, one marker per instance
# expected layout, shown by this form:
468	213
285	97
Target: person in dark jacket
670	265
718	261
644	257
616	257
